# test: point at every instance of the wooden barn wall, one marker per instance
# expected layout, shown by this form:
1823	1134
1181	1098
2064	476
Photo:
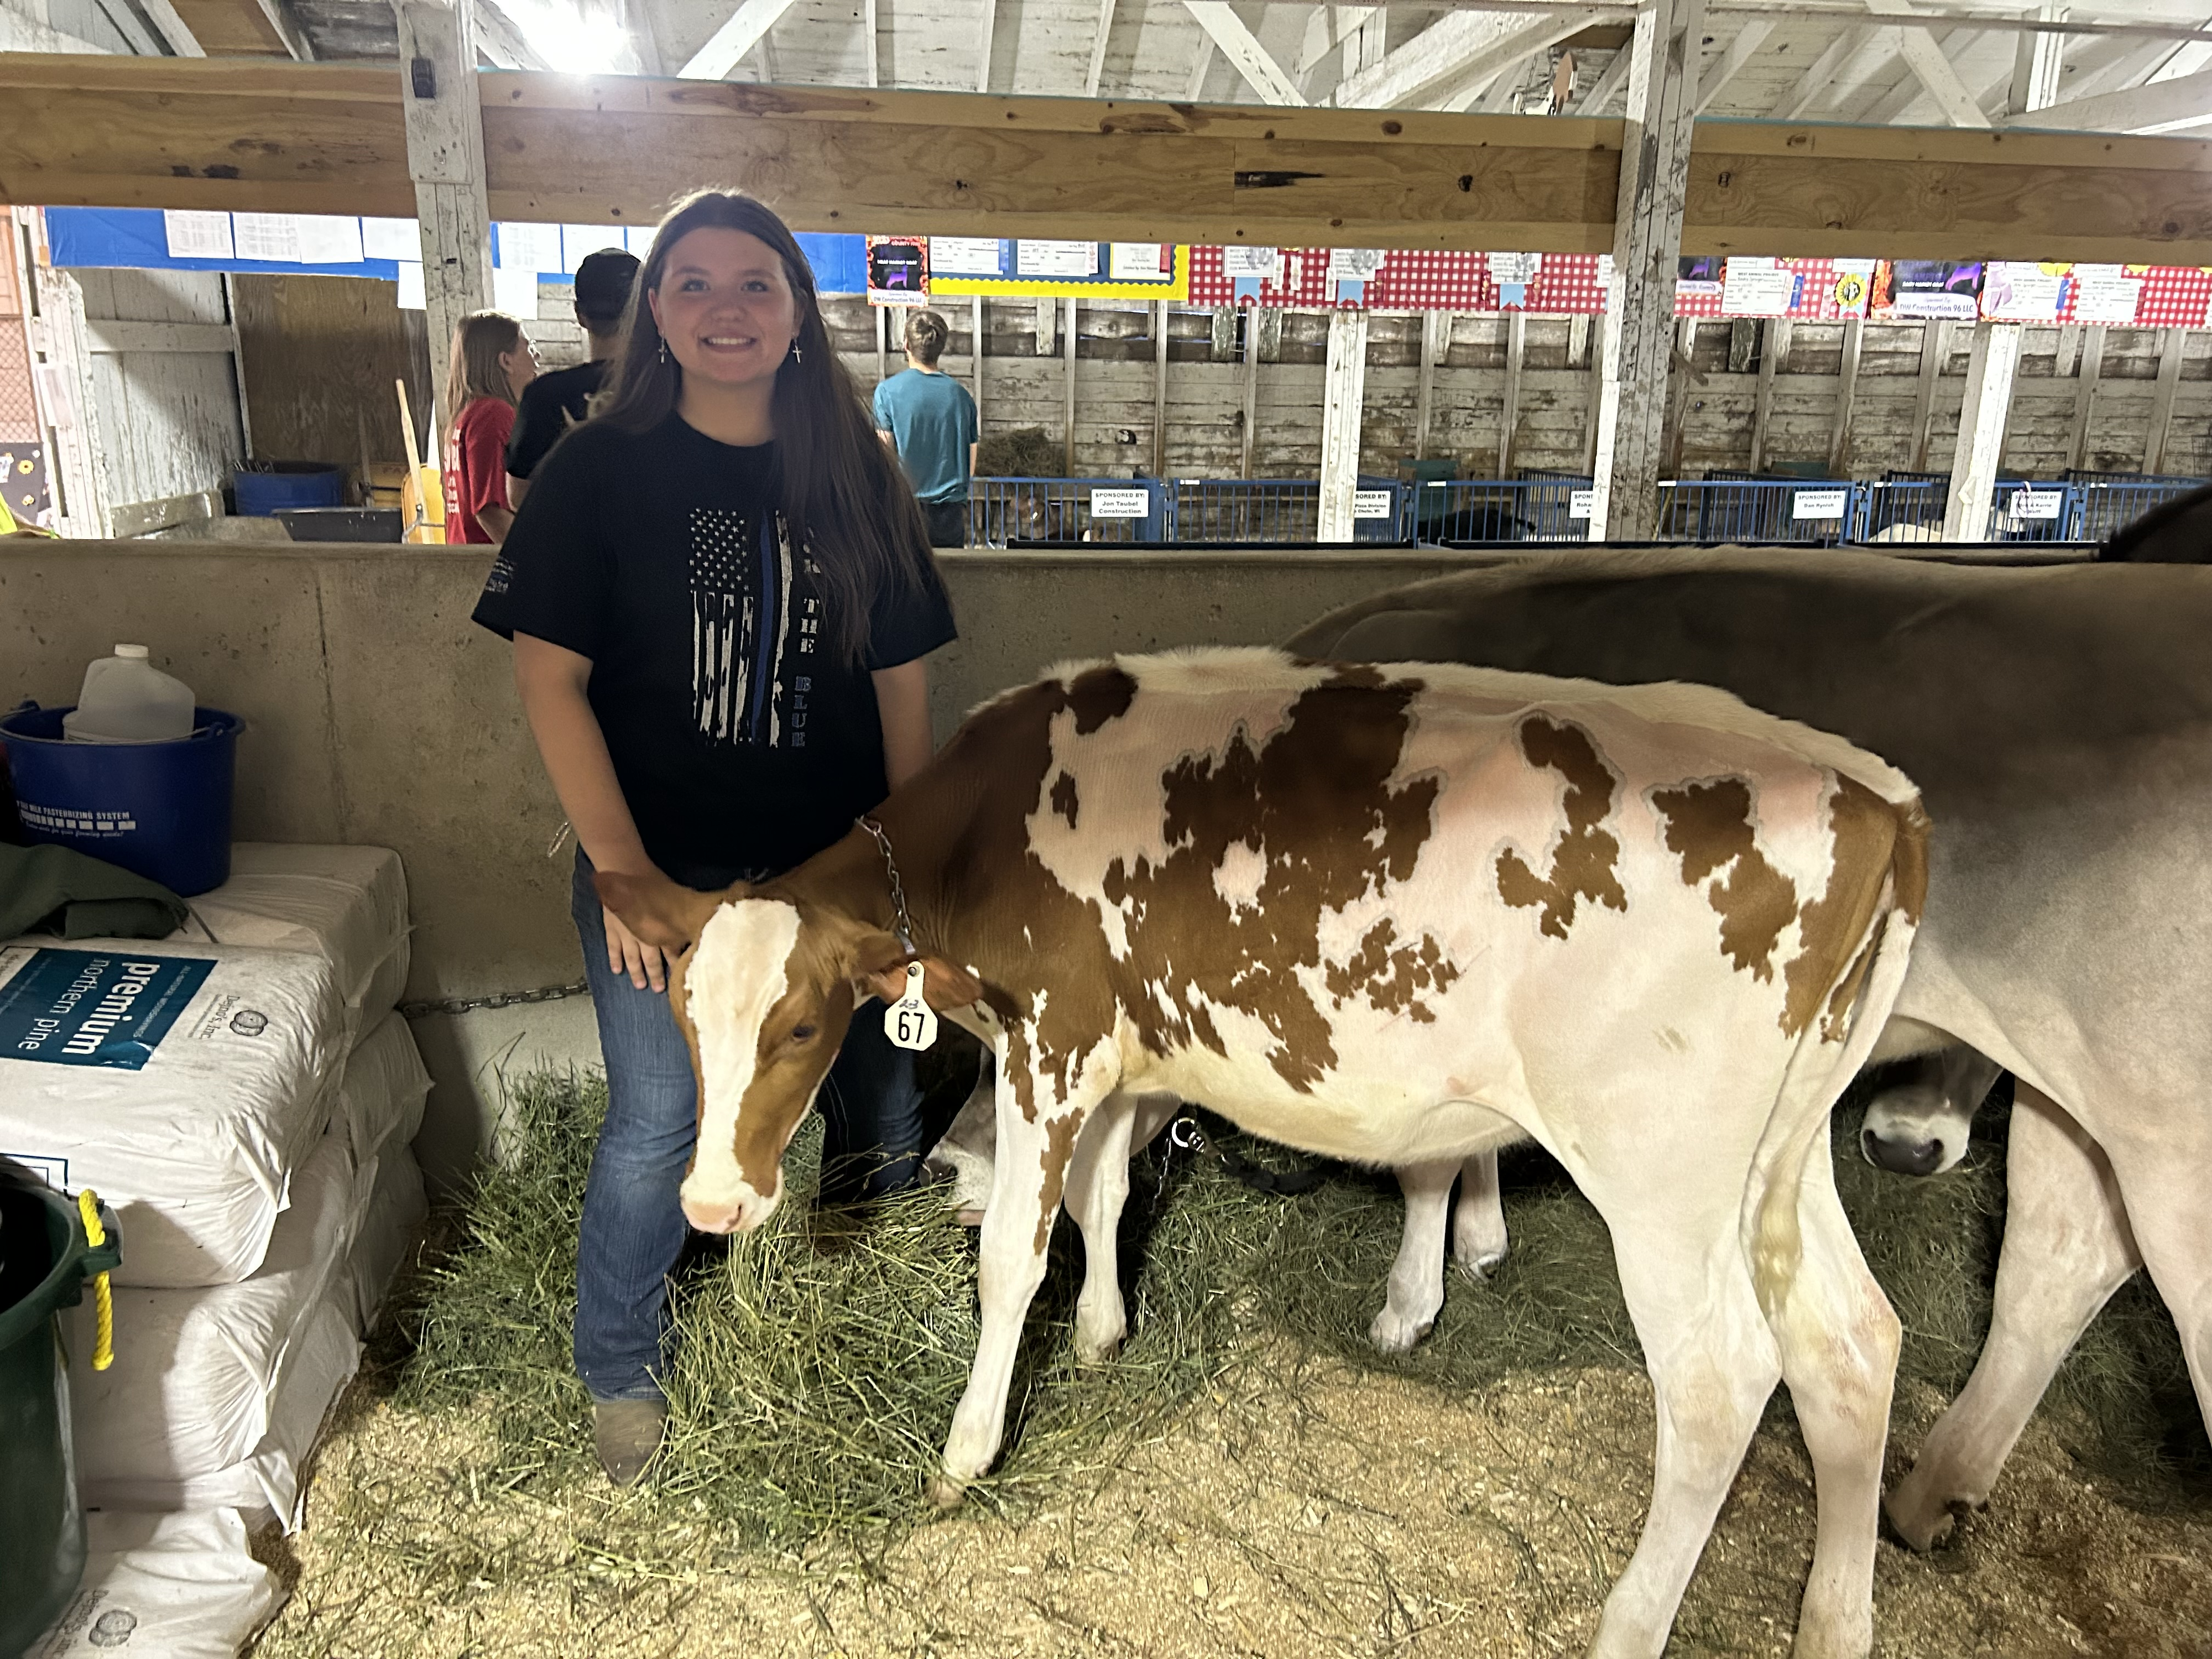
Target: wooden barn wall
322	355
1116	393
168	420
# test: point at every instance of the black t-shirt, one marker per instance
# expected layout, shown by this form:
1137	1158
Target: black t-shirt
742	744
551	405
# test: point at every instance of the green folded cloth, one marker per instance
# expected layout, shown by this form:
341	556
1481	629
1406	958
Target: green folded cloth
56	889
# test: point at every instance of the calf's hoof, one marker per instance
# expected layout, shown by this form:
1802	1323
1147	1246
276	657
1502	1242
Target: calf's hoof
1479	1261
946	1493
1917	1514
1394	1332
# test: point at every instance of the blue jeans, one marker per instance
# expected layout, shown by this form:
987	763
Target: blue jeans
633	1228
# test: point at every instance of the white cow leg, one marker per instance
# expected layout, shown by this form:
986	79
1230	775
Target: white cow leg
1479	1219
1713	1363
1098	1187
1025	1194
1839	1340
2067	1248
1416	1277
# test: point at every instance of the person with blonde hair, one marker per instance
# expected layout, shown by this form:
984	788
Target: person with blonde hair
929	417
492	361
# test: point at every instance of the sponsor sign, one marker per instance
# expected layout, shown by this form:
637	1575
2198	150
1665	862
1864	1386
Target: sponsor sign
1374	503
2036	503
1818	503
1582	503
1121	503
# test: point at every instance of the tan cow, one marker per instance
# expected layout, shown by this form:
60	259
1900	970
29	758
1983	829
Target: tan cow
1399	914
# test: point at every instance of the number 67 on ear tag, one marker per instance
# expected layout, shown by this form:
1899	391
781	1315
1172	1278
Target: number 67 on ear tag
908	1021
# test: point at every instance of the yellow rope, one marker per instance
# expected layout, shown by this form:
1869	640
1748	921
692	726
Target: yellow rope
103	1299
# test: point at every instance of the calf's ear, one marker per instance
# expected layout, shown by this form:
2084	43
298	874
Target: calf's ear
879	970
658	910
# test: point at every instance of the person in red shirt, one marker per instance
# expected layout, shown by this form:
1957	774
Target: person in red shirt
492	362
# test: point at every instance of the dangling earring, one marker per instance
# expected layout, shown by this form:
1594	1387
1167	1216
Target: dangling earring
664	348
798	352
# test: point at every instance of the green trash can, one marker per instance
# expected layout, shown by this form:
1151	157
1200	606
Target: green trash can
45	1263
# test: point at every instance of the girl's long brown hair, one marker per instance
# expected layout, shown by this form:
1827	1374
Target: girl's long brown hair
481	340
843	494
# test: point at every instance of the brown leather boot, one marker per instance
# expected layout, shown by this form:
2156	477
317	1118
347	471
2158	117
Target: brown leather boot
626	1433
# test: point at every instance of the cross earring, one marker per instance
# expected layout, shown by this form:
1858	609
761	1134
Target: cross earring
798	352
664	350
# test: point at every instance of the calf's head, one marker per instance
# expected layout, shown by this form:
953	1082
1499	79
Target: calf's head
763	985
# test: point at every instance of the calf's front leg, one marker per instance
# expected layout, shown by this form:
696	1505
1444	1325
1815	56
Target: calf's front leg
1479	1218
1416	1277
1026	1188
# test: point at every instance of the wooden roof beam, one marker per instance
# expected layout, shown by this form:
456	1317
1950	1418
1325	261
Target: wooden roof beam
1932	69
1443	55
1242	49
2184	101
274	137
739	34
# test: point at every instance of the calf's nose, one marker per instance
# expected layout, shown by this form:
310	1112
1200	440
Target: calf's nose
1911	1157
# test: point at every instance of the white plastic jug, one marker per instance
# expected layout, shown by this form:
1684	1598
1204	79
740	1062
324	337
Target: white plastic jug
127	700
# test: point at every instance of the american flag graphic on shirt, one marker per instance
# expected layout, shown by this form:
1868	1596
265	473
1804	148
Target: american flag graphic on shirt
755	627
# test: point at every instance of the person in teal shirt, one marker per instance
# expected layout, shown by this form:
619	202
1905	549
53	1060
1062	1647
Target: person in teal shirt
928	418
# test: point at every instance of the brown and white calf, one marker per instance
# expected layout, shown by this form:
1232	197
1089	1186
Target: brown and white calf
1399	914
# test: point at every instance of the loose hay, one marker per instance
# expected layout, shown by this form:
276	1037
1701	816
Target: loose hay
820	1361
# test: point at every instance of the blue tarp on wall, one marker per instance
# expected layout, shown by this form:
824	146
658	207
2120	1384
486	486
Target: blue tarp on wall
135	238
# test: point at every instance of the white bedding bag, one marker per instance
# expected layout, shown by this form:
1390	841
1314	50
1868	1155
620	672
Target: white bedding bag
379	1101
164	1587
197	1374
348	904
183	1081
396	1206
267	1482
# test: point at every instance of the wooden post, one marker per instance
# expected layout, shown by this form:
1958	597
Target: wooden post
1344	392
2085	393
1597	367
882	343
1159	388
1509	414
1047	327
2173	346
1982	431
1676	418
977	371
446	159
1067	341
1847	384
1935	353
1436	341
1773	349
1647	246
1223	348
1251	386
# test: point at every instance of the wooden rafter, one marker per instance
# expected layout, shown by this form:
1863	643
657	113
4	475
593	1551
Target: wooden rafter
328	138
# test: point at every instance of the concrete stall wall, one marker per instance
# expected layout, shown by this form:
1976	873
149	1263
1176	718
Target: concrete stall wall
377	713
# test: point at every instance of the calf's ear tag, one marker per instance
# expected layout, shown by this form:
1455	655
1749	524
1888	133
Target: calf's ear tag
909	1022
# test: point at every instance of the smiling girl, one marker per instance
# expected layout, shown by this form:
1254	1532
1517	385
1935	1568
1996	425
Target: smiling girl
719	591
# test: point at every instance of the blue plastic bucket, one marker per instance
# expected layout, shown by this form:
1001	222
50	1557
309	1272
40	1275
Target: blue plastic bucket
260	491
160	809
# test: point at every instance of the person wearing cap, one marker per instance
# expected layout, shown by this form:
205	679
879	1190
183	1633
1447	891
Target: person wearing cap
554	403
